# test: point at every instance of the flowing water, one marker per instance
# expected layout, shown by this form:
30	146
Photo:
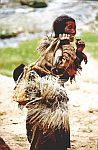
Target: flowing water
84	12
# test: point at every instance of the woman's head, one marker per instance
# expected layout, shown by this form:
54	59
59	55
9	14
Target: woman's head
64	24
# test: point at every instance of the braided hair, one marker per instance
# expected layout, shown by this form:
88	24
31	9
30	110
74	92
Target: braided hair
60	23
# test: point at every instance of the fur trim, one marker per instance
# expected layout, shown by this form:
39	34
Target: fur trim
32	86
47	100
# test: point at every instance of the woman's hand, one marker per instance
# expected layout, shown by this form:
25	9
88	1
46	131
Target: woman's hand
65	38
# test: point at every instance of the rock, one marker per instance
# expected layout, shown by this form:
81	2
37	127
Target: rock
7	33
12	25
34	3
7	30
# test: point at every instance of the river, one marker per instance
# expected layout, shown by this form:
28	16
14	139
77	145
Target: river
84	12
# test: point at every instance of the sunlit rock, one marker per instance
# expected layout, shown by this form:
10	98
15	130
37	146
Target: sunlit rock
34	3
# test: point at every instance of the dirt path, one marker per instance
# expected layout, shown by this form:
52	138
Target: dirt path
83	110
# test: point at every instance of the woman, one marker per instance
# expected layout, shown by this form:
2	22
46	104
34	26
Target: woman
39	88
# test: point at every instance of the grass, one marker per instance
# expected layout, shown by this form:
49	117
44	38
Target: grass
12	57
91	41
26	53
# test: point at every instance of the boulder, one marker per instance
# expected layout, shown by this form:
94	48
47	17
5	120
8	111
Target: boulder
12	25
34	3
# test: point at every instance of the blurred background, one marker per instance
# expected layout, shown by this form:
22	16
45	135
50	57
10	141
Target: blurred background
23	23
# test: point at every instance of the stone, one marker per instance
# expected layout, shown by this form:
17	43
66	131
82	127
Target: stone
34	3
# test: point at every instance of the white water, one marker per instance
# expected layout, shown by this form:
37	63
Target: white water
83	12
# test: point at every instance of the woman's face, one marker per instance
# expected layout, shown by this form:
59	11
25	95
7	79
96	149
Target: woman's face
70	29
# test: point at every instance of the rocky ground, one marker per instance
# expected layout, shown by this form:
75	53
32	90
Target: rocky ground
83	112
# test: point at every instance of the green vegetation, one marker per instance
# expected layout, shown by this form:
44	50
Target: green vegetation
26	53
91	41
97	17
12	57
